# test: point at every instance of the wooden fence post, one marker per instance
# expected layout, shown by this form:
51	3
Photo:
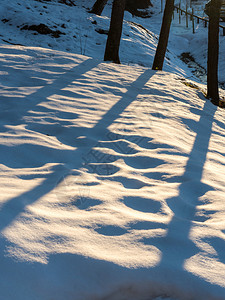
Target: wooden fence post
193	20
179	14
186	15
192	17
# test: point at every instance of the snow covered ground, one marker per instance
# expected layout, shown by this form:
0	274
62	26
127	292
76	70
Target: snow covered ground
112	176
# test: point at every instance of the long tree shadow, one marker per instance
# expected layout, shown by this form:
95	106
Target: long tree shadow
15	206
27	103
176	247
12	208
183	206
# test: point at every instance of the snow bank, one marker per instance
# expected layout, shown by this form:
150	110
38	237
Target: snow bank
112	181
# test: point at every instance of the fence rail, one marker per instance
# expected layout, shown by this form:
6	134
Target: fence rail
192	16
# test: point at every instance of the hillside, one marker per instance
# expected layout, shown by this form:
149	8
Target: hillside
112	176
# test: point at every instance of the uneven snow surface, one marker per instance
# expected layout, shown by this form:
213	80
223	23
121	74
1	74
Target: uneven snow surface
112	181
112	176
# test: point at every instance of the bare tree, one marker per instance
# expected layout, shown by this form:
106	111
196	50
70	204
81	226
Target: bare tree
115	32
98	7
164	35
213	51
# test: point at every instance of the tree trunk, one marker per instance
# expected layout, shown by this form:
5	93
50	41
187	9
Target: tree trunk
115	32
164	36
98	7
213	51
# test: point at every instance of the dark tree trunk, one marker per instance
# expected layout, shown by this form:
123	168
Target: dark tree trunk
98	7
164	36
213	52
115	32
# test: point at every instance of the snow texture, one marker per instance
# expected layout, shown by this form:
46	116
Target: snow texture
112	176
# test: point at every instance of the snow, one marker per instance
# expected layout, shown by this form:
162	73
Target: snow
112	176
196	43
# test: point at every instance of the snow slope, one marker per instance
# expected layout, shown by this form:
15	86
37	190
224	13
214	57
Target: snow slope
112	181
85	33
112	176
80	31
